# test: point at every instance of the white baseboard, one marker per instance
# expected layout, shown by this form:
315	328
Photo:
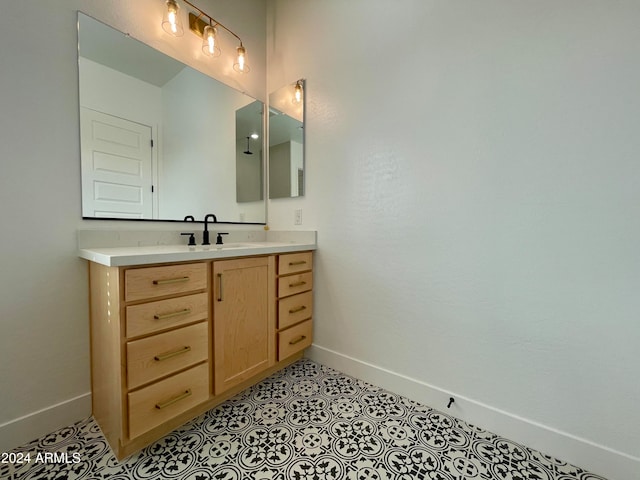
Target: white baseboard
595	458
25	429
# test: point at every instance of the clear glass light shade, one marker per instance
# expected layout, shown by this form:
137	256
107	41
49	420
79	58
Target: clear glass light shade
297	93
210	41
241	65
171	21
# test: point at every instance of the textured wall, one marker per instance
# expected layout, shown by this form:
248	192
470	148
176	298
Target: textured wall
472	173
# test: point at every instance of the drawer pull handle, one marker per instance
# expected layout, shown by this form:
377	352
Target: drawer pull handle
182	396
297	340
300	262
169	281
165	356
164	316
297	284
297	309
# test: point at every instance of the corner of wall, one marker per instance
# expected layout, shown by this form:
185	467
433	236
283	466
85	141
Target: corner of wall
577	451
22	430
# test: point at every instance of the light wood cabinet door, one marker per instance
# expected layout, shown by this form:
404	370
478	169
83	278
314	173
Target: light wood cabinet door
244	334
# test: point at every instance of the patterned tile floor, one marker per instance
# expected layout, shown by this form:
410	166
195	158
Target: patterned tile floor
307	422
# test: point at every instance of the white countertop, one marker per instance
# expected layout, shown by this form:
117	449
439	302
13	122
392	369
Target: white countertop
124	256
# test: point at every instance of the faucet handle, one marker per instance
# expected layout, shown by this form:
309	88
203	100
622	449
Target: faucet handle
219	238
192	239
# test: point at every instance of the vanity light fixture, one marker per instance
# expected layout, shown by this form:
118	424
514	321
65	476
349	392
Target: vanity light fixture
297	92
206	27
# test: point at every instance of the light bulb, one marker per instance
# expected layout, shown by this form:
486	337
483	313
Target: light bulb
171	22
298	93
210	42
241	64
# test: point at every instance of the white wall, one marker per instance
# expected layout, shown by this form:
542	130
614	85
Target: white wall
297	163
280	170
199	166
110	91
44	343
472	171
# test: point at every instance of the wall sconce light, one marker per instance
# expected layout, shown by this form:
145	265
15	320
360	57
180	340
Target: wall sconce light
206	27
210	41
297	92
171	22
241	63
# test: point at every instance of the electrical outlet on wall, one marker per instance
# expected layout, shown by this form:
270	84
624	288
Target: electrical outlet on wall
297	217
242	216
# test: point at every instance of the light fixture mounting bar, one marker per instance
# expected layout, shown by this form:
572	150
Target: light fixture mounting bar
197	24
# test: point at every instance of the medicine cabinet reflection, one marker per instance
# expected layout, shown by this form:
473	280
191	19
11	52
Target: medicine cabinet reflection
286	141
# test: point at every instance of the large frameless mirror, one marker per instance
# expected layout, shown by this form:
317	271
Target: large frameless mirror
161	140
286	141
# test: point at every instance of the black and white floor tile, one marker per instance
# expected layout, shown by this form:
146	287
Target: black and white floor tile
307	422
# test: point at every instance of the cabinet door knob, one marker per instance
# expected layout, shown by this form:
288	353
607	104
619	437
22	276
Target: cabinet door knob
297	309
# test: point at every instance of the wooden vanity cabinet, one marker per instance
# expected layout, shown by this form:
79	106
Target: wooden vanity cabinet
150	349
171	341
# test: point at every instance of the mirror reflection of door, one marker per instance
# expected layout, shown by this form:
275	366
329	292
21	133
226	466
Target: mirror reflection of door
191	115
286	141
116	166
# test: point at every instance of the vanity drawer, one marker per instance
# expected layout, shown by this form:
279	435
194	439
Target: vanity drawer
292	310
293	284
294	339
151	282
161	401
153	357
294	263
163	314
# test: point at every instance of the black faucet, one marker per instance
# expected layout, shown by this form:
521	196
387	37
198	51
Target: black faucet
219	238
205	234
189	218
192	239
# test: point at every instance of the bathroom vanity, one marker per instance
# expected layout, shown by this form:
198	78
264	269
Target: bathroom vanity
171	339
